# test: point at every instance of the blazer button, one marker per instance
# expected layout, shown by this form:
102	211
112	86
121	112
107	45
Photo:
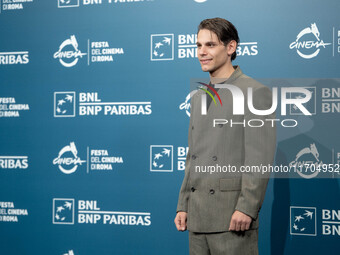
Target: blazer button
192	127
214	158
212	191
193	157
193	189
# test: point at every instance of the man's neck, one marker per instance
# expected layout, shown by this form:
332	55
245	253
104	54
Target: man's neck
222	75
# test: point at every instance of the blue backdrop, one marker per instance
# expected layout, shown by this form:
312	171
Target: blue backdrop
92	90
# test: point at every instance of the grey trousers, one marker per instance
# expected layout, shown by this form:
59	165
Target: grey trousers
224	243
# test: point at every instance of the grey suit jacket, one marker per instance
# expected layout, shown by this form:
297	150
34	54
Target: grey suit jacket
211	199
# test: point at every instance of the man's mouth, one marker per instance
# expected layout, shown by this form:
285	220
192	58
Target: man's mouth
205	61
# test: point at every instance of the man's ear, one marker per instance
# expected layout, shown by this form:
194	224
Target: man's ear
231	47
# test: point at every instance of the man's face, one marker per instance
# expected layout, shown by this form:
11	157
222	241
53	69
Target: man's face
212	53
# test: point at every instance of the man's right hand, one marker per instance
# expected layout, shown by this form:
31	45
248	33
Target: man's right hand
181	221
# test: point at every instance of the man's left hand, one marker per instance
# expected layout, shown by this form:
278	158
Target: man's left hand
239	221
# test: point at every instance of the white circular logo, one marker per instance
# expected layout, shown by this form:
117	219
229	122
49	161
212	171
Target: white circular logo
70	54
308	46
68	161
300	165
187	105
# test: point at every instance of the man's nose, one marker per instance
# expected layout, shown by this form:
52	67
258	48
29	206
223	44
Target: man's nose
202	51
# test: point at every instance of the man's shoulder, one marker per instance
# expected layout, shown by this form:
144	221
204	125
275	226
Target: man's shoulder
246	81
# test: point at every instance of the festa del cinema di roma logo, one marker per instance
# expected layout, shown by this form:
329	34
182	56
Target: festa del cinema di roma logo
308	48
314	160
70	252
68	160
68	53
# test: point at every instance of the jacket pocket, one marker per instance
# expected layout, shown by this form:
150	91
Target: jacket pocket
230	184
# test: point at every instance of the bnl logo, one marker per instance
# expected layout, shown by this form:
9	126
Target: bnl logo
68	3
162	47
161	158
65	104
63	211
303	221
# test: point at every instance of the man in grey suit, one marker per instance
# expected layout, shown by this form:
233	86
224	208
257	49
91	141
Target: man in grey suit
220	207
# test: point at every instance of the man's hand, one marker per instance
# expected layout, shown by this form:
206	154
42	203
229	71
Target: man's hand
181	221
239	221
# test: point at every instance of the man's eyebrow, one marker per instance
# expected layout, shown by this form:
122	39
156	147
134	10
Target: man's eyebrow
209	42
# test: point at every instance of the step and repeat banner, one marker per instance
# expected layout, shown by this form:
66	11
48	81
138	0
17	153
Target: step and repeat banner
94	113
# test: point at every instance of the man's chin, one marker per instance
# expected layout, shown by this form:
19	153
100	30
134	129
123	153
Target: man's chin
205	69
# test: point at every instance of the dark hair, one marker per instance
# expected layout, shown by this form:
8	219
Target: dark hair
224	30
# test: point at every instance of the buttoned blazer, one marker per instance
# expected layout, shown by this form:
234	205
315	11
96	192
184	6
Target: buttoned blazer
210	199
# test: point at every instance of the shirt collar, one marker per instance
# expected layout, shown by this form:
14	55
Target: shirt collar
236	74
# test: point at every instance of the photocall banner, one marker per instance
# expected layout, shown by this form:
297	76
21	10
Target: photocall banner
95	107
